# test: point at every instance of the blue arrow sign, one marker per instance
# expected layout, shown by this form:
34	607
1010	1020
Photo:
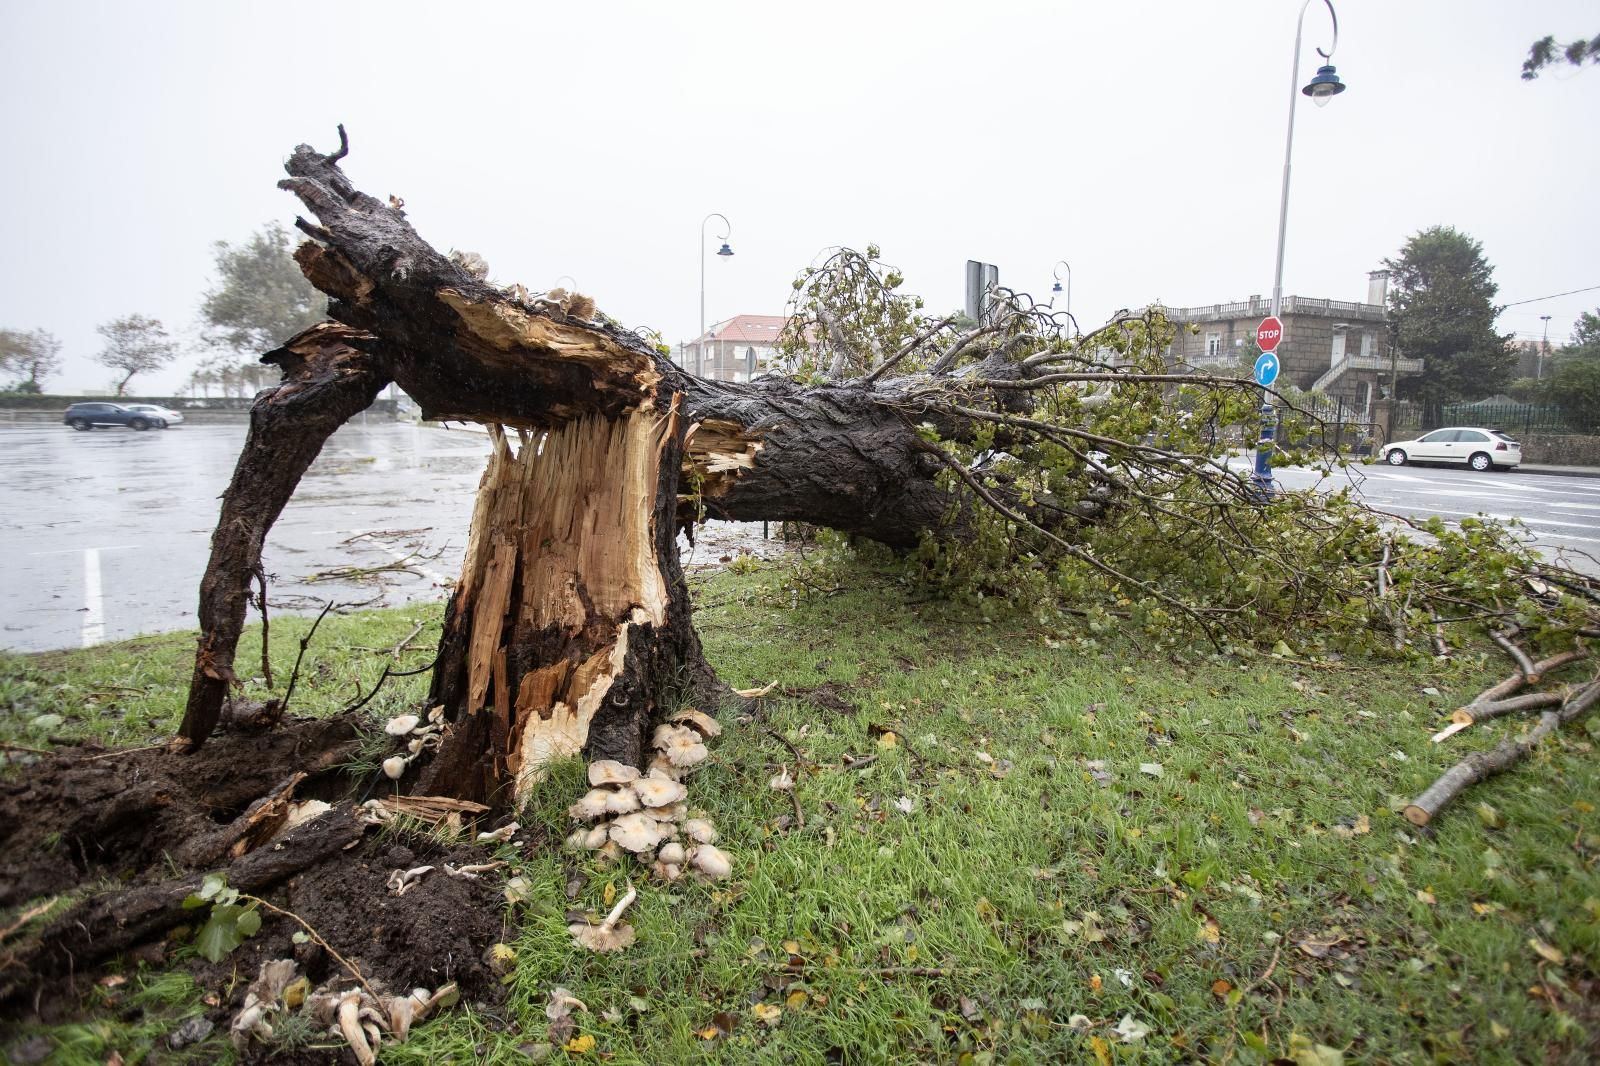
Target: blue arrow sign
1266	368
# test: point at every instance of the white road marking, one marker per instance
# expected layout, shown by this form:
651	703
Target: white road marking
1513	518
94	617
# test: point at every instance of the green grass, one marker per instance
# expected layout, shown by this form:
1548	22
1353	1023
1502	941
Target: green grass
1053	878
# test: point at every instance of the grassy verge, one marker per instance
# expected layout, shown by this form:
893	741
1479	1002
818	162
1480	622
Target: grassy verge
1056	836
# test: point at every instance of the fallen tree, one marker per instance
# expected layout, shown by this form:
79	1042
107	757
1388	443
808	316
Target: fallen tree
1008	456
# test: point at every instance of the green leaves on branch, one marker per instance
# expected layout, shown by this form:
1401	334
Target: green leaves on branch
230	923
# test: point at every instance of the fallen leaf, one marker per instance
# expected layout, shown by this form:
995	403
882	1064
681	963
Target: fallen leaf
905	804
1209	932
1426	896
1306	1053
1153	769
1220	987
1101	1049
1132	1031
1547	951
609	896
580	1045
767	1013
795	1000
1095	984
755	693
710	1032
888	739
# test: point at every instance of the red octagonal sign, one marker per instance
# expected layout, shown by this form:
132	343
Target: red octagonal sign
1269	333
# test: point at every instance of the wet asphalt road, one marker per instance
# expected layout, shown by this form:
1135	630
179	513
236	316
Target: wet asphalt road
104	535
1561	513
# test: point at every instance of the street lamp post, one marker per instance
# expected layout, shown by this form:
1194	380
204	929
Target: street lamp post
1057	286
1544	346
727	228
1321	88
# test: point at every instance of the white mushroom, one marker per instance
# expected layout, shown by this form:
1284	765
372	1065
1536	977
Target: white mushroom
707	725
576	838
591	806
671	853
401	725
711	861
608	935
635	832
782	782
394	766
622	801
499	836
350	1028
667	871
661	767
609	852
562	1003
676	812
611	772
700	830
596	838
657	792
684	748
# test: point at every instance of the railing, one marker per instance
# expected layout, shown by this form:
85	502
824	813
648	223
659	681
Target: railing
1523	418
1292	305
1365	362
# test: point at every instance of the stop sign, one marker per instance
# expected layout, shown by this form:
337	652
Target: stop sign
1269	333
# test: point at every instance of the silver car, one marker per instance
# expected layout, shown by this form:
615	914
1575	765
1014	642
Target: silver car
1479	448
160	417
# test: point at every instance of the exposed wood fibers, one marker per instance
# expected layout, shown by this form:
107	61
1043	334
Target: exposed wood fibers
562	549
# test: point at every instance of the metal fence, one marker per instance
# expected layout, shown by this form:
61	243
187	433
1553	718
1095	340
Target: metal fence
1523	418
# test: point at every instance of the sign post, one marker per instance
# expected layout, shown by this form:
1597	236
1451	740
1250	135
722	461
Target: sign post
1268	335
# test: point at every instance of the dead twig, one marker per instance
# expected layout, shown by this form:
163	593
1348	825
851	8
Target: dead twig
400	647
1530	674
1507	753
266	626
305	642
316	938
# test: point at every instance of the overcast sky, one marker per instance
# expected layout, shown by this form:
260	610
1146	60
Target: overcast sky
1142	142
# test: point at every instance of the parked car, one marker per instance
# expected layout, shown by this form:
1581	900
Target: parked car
1481	449
85	416
160	417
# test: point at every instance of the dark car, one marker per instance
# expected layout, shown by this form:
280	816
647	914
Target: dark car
85	416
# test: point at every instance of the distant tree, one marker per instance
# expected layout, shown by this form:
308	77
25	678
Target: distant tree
135	344
1545	52
31	357
1443	312
1575	388
260	298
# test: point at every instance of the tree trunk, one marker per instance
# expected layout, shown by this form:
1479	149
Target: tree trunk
325	382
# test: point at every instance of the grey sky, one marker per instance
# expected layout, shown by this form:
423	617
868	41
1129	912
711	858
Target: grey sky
1140	141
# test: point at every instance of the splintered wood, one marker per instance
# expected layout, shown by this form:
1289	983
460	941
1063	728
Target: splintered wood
716	446
561	564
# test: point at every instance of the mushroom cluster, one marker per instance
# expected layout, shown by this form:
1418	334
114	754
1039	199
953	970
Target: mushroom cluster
646	815
359	1015
423	736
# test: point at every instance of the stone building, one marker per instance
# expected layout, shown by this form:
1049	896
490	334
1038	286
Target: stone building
736	349
1338	348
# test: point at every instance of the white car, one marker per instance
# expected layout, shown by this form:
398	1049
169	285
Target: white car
160	417
1481	449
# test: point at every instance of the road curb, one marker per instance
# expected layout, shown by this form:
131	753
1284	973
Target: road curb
1561	471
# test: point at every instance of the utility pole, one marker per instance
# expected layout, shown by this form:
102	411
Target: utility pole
1544	348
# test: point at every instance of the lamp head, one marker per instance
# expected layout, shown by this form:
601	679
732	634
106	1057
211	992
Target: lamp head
724	250
1324	87
1056	287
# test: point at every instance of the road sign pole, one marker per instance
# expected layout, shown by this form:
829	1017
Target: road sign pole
1268	336
1261	479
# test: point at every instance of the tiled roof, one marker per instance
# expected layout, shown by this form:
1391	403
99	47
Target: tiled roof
749	329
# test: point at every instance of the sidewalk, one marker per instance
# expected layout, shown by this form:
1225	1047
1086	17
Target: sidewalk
1563	471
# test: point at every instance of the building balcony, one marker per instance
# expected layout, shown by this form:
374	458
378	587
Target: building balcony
1292	305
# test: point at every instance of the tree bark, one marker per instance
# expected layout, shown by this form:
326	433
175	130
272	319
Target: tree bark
326	381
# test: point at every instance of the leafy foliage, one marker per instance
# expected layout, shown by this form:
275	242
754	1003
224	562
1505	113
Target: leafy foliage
1545	51
1443	309
1085	476
260	298
134	345
31	356
230	922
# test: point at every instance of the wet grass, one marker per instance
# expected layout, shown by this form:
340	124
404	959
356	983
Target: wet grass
1055	836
